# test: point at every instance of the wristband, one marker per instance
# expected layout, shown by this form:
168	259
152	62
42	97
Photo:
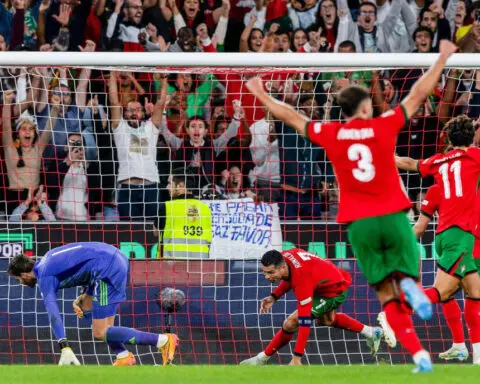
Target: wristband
63	343
275	297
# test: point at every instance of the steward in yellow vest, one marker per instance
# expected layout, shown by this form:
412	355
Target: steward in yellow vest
184	223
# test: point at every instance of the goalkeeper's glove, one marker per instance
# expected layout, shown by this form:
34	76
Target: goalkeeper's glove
77	307
67	357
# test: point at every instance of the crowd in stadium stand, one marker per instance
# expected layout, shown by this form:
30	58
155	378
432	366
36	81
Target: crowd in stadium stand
81	144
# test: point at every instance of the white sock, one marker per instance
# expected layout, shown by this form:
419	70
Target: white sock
162	340
123	354
262	356
476	351
423	354
459	346
367	331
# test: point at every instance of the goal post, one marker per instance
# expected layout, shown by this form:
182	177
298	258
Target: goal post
270	170
232	59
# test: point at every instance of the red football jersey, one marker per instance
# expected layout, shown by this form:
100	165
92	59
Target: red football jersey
476	229
309	276
431	202
457	173
362	154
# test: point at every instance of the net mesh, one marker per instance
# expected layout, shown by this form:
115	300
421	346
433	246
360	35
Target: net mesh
94	178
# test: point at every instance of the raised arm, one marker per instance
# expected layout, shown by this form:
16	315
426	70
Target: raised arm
279	109
47	133
406	163
166	11
446	103
246	34
390	21
8	97
178	20
115	106
159	107
84	77
112	21
426	84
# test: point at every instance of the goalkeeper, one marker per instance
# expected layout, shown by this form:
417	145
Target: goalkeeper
103	270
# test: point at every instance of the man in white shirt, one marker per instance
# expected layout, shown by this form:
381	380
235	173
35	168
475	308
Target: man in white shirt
136	142
264	149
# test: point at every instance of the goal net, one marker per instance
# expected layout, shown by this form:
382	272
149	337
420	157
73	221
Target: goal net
71	172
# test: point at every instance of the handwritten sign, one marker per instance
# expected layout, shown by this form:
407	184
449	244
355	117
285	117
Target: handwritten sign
243	229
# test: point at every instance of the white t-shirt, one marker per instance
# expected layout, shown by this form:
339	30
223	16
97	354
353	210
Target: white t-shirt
73	198
265	154
369	42
137	151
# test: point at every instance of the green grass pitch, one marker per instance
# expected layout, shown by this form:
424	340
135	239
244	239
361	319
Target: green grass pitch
36	374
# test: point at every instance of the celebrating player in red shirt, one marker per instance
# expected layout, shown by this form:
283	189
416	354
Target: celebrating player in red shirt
451	309
371	199
320	288
457	173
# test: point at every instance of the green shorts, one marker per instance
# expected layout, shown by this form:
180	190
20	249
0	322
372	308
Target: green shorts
477	263
384	245
454	246
323	305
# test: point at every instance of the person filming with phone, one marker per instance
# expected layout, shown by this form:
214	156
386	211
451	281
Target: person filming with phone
71	181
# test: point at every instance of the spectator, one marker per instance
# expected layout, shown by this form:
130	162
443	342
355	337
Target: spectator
259	11
34	208
127	30
96	122
197	152
423	39
69	117
327	20
232	184
299	176
136	143
185	41
468	37
433	17
333	197
194	91
154	16
264	149
191	15
282	42
252	39
367	34
72	183
23	149
299	39
130	89
306	12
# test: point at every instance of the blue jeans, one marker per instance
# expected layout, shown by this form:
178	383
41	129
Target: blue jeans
138	202
307	206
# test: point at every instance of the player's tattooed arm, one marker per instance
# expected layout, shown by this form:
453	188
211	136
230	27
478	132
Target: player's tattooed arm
406	163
